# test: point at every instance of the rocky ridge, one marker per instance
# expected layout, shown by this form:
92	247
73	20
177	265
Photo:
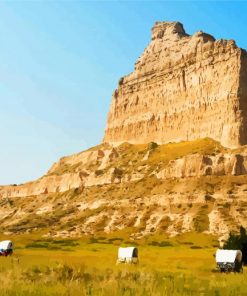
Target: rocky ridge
182	88
143	189
105	165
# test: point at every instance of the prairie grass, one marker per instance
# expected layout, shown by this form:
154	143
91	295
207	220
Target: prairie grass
182	265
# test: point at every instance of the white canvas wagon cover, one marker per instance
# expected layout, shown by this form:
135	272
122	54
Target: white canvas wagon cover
130	252
228	256
6	245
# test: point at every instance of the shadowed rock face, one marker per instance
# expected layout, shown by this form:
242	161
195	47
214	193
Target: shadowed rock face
182	88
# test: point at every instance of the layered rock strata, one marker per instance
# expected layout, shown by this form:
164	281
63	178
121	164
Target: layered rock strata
182	88
170	188
105	165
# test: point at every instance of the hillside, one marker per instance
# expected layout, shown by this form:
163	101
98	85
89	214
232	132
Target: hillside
134	191
163	167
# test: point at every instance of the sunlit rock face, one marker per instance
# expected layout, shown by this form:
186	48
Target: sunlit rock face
182	88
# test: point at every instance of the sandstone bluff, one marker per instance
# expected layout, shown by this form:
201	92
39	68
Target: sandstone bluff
182	88
186	89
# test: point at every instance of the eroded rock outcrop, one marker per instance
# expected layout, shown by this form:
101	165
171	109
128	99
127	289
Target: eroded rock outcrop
182	88
197	165
128	163
170	188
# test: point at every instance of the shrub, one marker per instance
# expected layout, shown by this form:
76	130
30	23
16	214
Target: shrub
238	242
152	145
160	244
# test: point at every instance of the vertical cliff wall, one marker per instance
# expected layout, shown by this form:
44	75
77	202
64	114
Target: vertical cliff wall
242	94
182	88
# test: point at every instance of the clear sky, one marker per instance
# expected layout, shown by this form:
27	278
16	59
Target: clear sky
61	60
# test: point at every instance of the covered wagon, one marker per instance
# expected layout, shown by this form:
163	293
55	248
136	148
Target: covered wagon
6	248
229	260
127	255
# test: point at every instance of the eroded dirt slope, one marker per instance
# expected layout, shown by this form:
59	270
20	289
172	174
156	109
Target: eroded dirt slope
143	189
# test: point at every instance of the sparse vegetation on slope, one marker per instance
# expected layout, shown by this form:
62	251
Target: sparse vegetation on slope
139	189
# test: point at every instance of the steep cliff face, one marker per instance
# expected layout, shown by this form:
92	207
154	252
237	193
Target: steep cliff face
242	94
182	88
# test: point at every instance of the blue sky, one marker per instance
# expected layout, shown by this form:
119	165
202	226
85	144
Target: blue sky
61	60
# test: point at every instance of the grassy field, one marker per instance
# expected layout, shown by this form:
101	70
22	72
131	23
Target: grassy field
183	265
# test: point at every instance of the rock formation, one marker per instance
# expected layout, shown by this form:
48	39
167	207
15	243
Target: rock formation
170	188
106	165
182	88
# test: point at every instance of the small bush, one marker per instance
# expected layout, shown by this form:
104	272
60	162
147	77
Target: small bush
152	145
160	244
238	242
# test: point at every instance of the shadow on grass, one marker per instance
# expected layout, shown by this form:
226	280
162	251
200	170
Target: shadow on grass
53	244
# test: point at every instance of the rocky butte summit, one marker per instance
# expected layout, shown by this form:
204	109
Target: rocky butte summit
188	90
182	88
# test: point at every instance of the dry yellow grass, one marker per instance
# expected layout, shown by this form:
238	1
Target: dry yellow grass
184	265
